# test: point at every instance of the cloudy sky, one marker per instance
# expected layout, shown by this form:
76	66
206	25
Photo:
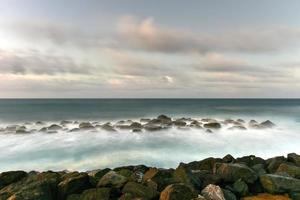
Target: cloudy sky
142	48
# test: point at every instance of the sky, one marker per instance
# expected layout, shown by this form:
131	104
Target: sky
149	49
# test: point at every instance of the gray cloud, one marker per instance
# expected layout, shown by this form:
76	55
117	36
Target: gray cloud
36	63
150	37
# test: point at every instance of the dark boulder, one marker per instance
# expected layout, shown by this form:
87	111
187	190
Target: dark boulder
228	159
41	186
7	178
185	175
161	177
112	179
140	191
289	169
233	172
229	195
177	191
73	183
251	160
279	184
240	188
96	175
294	158
273	163
206	164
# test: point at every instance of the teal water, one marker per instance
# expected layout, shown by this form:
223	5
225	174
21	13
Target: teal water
86	151
16	110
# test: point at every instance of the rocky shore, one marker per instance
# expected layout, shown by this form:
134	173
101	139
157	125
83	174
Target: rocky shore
247	178
162	122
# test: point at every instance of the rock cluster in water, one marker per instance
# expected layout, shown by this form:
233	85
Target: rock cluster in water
162	122
228	178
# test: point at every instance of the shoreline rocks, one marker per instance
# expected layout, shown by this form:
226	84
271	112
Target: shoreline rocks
246	178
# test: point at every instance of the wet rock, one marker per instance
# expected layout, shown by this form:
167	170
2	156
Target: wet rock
294	158
11	128
267	124
123	127
279	184
65	122
265	196
144	120
7	178
273	163
213	125
86	126
164	117
36	186
240	187
137	130
21	130
73	183
139	190
179	123
54	127
295	195
75	130
108	127
208	131
237	128
112	179
44	129
161	177
177	191
228	159
233	172
136	125
40	123
289	169
240	120
213	192
150	127
207	177
250	160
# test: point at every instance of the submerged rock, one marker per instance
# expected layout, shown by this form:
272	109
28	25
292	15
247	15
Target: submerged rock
267	124
213	125
86	126
213	192
54	127
108	127
177	191
237	128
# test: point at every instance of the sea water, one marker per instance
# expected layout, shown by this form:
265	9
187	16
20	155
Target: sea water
93	150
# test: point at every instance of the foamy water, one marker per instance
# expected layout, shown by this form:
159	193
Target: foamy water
93	150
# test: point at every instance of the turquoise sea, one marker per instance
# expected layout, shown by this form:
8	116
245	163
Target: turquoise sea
99	149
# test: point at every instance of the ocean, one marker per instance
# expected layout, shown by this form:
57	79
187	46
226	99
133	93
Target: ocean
84	150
